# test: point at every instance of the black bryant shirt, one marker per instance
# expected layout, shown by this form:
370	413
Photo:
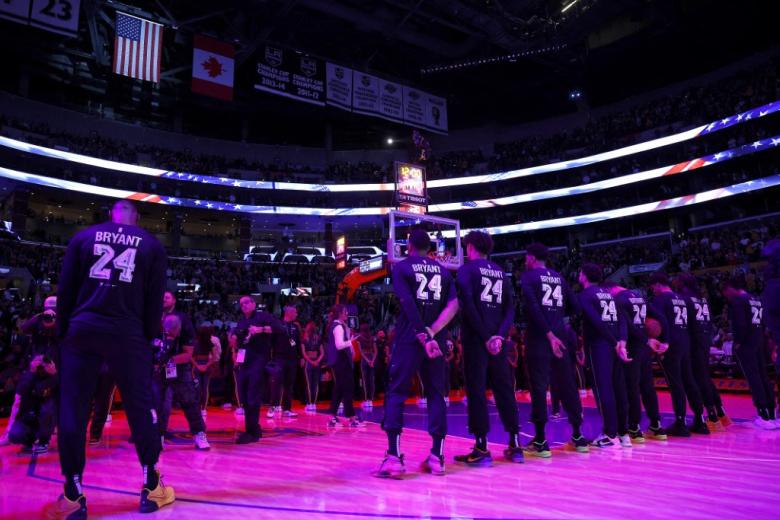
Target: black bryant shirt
112	281
486	301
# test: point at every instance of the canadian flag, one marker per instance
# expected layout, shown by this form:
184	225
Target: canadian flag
212	68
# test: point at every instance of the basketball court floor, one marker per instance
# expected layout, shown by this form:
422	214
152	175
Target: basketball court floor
302	469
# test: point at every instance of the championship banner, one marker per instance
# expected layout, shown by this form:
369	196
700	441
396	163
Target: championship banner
391	101
410	187
58	16
365	93
289	74
338	81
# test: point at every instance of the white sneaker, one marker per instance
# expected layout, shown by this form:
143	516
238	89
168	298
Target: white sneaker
625	441
227	407
603	442
203	413
4	440
341	408
422	402
108	419
239	411
447	401
764	424
271	411
201	443
289	414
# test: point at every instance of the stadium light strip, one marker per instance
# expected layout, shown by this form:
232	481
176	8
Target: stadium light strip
650	207
715	126
664	171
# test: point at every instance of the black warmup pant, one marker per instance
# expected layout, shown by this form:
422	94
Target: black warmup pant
555	396
640	387
251	374
101	404
343	384
447	376
202	379
312	374
186	392
609	387
542	365
406	361
478	363
676	363
368	377
700	365
38	426
282	386
752	361
129	361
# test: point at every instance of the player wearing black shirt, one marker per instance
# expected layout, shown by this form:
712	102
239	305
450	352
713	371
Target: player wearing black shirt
487	310
428	301
109	305
605	335
701	328
256	333
676	361
640	386
548	301
746	313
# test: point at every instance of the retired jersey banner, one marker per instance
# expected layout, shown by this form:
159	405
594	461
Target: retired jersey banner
290	74
212	68
365	93
415	106
59	16
338	86
391	101
436	113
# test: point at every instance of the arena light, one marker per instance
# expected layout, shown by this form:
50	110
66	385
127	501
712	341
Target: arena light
714	126
569	6
650	207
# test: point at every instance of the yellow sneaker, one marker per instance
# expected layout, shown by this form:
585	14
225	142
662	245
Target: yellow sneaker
726	421
64	509
160	496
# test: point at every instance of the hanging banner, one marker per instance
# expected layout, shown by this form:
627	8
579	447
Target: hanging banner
415	107
365	93
391	101
291	74
436	113
338	81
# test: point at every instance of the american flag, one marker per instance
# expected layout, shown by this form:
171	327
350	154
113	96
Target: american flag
137	48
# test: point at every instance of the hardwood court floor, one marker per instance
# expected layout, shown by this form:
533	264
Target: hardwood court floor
301	469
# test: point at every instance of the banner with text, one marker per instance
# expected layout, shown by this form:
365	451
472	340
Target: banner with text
59	16
290	74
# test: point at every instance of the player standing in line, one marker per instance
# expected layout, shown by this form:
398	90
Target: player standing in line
746	314
605	337
548	300
109	306
428	301
676	361
640	387
487	311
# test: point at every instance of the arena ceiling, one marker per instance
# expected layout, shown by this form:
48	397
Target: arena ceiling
609	49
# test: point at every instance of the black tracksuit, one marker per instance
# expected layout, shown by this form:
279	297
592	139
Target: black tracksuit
746	315
488	310
602	329
676	361
701	340
639	371
109	305
547	300
286	352
424	288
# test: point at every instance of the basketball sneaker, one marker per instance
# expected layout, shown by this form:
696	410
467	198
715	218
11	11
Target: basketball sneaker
603	441
476	458
94	441
580	444
700	428
67	509
538	449
201	442
109	419
637	436
356	423
657	432
514	454
625	440
271	411
334	422
152	500
40	448
392	467
714	425
678	429
289	414
434	465
239	411
764	424
248	438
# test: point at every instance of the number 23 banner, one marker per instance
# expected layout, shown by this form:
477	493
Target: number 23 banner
59	16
